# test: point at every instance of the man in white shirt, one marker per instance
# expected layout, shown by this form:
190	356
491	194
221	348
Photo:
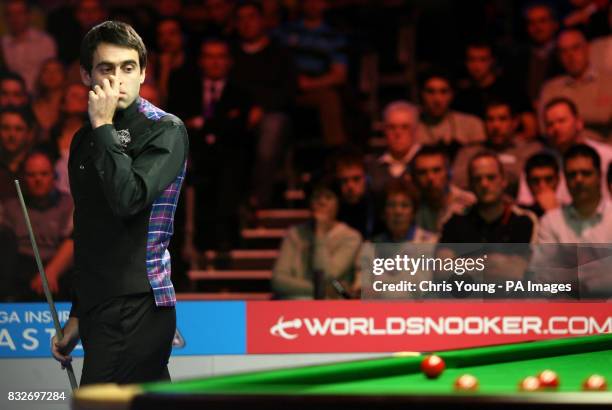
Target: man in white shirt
25	48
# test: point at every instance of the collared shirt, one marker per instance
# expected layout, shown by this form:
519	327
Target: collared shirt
212	90
26	56
397	167
456	127
592	94
566	225
457	202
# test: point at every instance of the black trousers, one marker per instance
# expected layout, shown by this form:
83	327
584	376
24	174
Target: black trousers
127	339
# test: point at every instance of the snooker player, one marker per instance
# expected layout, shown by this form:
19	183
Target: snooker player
126	168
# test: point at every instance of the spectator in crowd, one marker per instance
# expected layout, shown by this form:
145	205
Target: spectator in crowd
48	95
439	199
219	21
537	62
322	65
358	205
50	213
13	91
400	121
600	54
586	220
485	84
315	254
564	128
24	47
217	112
438	123
494	219
16	137
500	124
589	16
171	59
590	90
267	72
542	174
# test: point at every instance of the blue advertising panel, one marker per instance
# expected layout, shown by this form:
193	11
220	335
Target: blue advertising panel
203	328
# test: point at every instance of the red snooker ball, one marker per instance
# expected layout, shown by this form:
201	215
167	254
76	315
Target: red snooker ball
595	382
548	379
466	382
432	366
530	383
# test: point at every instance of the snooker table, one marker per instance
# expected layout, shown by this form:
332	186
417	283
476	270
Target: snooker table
392	382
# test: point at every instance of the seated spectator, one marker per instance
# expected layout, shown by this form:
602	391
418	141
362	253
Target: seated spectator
317	253
50	213
486	84
500	124
358	205
438	123
493	219
601	54
439	198
542	175
48	95
321	61
590	90
400	121
219	21
16	137
12	91
217	113
266	71
565	128
587	220
24	47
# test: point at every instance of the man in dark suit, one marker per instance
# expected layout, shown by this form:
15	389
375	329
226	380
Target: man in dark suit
218	113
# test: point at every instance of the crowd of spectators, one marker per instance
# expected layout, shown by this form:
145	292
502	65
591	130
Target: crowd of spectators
499	130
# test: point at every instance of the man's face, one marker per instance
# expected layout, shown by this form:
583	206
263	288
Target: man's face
17	16
76	99
583	180
573	52
52	75
352	180
15	135
499	124
399	213
89	13
39	177
562	127
437	96
479	62
169	37
250	23
399	130
215	60
218	11
541	26
430	175
487	181
12	93
121	62
542	179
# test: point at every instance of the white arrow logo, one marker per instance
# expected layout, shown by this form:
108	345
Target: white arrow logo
279	329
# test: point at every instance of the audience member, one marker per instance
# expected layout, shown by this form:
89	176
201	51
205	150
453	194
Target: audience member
48	95
16	137
542	175
590	90
315	254
500	124
400	121
322	65
12	91
50	213
219	21
439	199
267	72
358	206
24	47
438	123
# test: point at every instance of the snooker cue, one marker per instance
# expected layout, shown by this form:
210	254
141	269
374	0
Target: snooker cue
43	276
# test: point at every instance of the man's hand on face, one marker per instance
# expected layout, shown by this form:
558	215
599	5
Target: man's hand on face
103	102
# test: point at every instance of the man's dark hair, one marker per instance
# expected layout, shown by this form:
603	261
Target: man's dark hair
435	73
428	151
112	32
585	151
10	75
485	153
498	102
250	3
562	100
541	160
24	112
480	43
399	187
541	4
348	156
